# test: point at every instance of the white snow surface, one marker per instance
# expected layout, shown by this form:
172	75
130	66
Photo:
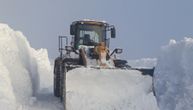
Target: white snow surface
22	68
26	82
173	78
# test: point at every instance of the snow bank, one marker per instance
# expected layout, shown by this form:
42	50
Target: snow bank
45	70
20	67
173	76
91	89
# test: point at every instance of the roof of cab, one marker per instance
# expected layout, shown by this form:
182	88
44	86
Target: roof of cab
91	22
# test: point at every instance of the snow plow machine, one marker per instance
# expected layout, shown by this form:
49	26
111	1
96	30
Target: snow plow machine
89	48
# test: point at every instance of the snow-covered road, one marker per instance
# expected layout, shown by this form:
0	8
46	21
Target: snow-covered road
44	100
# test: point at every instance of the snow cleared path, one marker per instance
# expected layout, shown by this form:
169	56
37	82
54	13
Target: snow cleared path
44	101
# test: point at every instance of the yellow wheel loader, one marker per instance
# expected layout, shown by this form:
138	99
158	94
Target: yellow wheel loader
80	52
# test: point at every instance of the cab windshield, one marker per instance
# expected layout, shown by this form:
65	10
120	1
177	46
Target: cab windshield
90	35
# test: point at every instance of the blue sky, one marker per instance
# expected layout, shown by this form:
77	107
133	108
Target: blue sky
143	26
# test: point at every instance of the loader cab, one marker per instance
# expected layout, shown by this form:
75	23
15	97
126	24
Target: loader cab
90	33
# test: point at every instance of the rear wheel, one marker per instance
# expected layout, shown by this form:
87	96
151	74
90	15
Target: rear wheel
57	78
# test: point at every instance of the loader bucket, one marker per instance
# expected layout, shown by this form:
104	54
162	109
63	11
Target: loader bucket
89	88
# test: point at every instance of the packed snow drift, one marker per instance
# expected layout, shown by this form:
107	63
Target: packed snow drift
21	67
173	77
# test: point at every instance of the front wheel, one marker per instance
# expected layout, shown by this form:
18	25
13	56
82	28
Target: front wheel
63	95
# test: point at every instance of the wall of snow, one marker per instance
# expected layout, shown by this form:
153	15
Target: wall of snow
173	80
20	66
91	89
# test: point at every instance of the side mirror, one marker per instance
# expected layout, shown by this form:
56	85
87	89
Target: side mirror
72	29
113	32
118	51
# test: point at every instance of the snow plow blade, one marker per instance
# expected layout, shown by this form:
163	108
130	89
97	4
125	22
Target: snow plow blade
102	88
144	71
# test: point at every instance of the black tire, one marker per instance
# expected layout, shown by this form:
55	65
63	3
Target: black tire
63	96
63	83
57	78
